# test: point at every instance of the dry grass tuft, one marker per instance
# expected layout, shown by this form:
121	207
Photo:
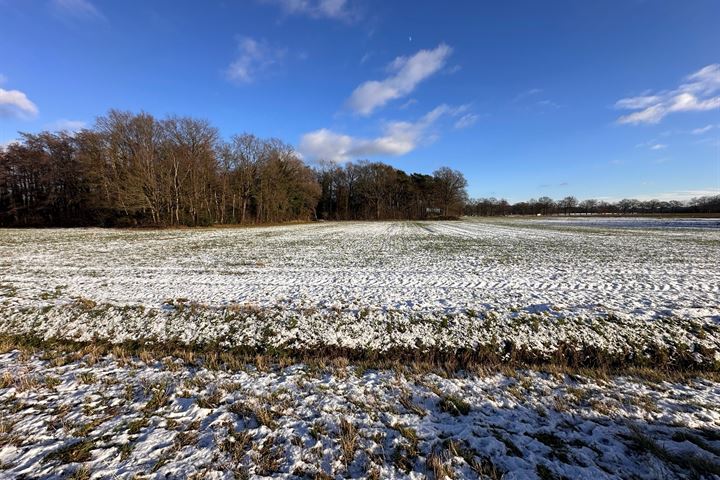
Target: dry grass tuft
454	405
438	461
348	441
74	453
268	457
82	473
407	402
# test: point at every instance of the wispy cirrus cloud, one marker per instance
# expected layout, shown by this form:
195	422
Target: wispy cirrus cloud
80	9
14	103
329	9
705	129
699	92
253	58
467	120
398	138
405	74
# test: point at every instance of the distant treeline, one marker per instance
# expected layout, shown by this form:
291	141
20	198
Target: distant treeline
133	169
571	206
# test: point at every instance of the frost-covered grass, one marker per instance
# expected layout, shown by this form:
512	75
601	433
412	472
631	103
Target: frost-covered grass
118	416
511	288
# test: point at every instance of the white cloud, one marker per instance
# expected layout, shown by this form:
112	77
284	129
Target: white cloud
466	120
82	9
698	93
332	9
686	102
398	138
407	73
658	146
325	144
705	81
14	103
65	125
652	114
253	58
701	130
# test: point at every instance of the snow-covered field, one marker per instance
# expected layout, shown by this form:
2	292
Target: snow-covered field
113	417
579	292
505	286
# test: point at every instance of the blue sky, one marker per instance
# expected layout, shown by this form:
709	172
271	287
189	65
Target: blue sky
607	99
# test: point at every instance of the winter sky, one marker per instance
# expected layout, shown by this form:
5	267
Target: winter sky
604	99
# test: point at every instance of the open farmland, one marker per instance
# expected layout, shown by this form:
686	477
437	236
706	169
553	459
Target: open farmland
498	349
372	287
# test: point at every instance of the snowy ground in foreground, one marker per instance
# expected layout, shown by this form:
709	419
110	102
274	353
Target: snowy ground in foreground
373	286
118	417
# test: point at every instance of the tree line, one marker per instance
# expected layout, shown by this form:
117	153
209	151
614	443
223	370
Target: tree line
133	170
365	190
571	206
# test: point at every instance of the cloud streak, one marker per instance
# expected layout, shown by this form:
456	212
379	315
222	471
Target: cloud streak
466	120
698	93
14	103
405	75
705	129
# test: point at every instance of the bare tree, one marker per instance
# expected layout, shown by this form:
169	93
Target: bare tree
450	186
568	204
